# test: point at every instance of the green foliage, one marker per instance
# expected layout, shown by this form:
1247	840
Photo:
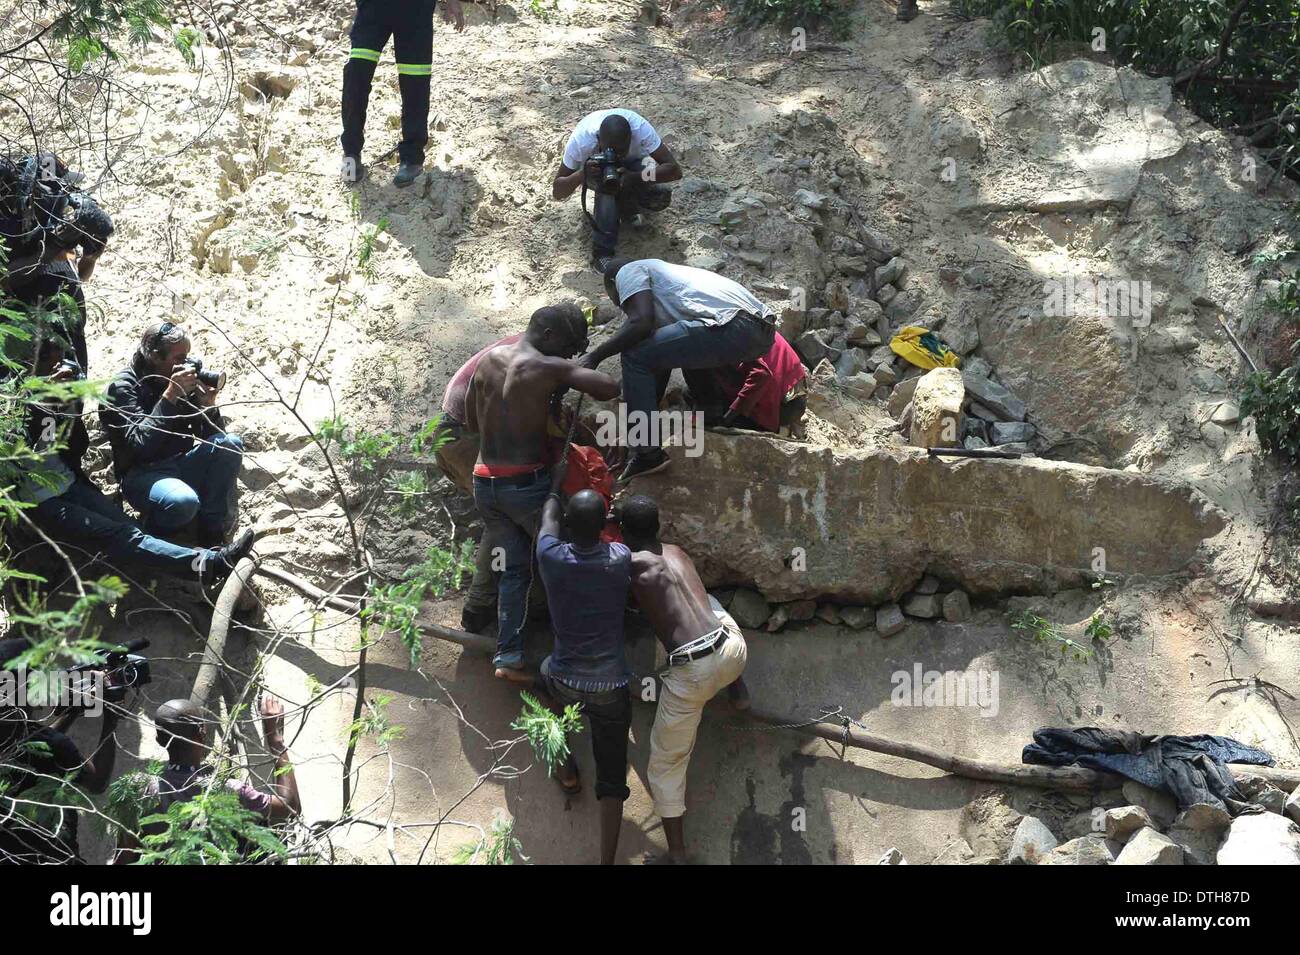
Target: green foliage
213	828
547	733
187	40
1042	631
393	608
89	28
503	848
829	15
1255	87
366	254
374	723
1274	400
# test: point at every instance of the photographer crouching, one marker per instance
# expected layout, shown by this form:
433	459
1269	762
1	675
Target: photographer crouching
617	154
175	460
75	514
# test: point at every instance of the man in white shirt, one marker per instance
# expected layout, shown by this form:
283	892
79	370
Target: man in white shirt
624	143
677	317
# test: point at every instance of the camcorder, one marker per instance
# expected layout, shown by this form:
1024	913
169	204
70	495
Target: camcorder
210	379
40	205
123	669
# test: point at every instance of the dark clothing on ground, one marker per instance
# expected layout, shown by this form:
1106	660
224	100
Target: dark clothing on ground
609	714
586	591
1191	768
410	24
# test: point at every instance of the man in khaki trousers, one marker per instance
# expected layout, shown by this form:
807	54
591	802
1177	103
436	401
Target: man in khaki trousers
706	652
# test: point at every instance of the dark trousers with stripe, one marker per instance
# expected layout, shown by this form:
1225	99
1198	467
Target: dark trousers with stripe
410	24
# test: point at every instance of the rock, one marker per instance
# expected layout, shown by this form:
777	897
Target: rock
1149	847
892	857
861	386
1086	850
1088	823
925	606
1121	823
1203	817
829	613
936	409
961	333
1160	806
1292	807
901	396
809	200
1255	721
732	214
903	305
929	584
852	362
974	443
891	273
1199	831
993	396
889	620
1031	842
956	606
706	261
780	617
886	294
885	373
1261	838
859	618
975	365
749	609
802	609
837	296
1010	432
1226	413
944	519
1169	341
813	347
859	332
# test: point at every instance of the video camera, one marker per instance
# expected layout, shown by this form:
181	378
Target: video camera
211	379
41	206
123	669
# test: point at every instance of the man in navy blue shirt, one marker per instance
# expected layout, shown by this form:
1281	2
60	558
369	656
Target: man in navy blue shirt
586	590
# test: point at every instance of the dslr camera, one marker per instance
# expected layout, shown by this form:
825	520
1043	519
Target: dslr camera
210	379
611	169
123	669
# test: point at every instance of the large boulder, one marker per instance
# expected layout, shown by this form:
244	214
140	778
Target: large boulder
1149	847
936	409
1261	838
868	523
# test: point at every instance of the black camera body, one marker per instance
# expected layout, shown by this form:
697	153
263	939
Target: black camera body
611	168
70	364
123	670
210	379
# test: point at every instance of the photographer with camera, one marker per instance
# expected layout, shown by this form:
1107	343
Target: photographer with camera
74	513
32	752
175	460
617	154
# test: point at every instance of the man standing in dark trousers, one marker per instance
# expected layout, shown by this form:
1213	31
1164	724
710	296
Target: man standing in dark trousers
410	24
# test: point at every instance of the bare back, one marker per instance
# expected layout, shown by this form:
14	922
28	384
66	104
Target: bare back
511	391
670	593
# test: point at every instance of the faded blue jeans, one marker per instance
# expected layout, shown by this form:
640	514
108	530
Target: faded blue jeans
690	346
198	484
83	518
511	509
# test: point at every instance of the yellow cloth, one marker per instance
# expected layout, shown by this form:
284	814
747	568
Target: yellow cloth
907	343
686	689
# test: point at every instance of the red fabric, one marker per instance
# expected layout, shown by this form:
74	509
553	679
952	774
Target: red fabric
588	471
453	399
504	470
763	384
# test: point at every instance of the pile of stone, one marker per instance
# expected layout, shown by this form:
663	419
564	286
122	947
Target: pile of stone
1149	830
927	601
966	408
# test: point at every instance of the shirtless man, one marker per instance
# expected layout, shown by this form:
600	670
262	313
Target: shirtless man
706	651
507	405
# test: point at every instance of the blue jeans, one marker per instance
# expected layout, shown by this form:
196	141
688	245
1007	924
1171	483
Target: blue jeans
83	518
688	346
511	509
610	208
200	483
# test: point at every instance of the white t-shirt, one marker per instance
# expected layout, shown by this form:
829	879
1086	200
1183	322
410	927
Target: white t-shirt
582	142
688	294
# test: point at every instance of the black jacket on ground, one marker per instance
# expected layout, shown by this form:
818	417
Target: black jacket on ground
1191	768
144	427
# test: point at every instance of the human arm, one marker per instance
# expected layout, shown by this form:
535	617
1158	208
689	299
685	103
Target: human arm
757	380
553	509
152	431
567	181
662	166
637	326
285	801
471	407
580	376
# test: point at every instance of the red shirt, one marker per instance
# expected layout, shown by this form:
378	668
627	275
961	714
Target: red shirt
757	388
453	399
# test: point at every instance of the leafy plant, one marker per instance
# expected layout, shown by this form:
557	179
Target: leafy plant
546	732
832	15
1042	631
213	828
374	723
502	848
1274	400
